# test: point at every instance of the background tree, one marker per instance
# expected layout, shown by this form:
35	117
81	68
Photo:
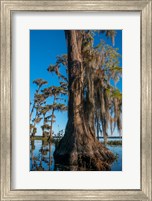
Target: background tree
37	103
41	99
39	83
55	93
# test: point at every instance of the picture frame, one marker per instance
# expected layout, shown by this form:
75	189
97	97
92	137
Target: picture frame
7	8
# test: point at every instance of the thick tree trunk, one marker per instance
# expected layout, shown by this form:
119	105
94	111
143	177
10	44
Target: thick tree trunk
79	149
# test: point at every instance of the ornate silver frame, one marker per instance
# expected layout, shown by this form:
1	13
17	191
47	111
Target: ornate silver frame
145	9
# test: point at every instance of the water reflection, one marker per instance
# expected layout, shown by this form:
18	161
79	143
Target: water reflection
41	157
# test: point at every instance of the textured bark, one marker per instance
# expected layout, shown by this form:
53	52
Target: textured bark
79	149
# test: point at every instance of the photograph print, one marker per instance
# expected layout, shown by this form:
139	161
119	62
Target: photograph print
75	100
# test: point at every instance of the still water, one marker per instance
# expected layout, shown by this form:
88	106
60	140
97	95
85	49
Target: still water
41	156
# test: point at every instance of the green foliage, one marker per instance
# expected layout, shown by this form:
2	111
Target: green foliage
46	126
40	82
37	120
101	64
31	126
117	94
110	34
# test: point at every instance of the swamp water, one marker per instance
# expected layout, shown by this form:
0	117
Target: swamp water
41	155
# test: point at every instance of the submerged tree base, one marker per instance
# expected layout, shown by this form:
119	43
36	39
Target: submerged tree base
100	160
82	154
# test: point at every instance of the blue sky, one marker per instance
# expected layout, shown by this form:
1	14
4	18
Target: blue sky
45	45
